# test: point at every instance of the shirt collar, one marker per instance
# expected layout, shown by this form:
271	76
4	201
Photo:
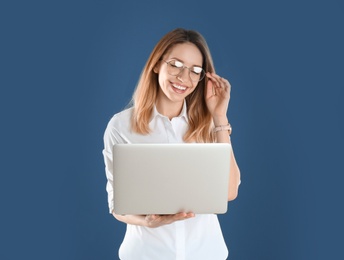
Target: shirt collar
183	113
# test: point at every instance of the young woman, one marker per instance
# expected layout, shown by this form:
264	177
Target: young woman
179	98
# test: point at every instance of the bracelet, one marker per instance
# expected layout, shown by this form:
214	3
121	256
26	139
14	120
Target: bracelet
227	127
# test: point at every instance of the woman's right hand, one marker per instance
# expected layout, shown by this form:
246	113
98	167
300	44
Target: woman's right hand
154	221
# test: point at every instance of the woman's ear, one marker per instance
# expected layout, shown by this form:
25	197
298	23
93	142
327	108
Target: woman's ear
156	68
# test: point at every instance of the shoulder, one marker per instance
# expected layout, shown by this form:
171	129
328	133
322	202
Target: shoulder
119	126
120	119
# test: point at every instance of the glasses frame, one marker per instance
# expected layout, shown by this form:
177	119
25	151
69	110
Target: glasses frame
202	73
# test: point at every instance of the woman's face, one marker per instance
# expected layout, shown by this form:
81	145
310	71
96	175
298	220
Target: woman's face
174	89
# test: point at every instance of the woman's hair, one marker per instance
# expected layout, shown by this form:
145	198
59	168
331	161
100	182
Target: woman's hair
145	95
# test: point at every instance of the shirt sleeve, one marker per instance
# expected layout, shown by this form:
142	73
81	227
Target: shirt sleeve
111	137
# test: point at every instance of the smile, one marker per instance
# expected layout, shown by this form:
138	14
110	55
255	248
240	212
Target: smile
179	87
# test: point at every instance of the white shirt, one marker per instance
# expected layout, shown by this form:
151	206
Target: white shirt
195	238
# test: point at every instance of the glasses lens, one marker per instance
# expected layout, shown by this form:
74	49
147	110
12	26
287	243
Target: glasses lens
196	74
174	67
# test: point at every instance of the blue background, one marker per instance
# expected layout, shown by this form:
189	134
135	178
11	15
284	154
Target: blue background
68	66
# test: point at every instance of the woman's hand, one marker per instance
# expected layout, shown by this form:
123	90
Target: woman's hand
217	95
154	221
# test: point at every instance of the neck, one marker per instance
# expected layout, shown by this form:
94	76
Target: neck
168	108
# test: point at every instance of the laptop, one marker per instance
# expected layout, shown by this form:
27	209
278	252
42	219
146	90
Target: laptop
171	178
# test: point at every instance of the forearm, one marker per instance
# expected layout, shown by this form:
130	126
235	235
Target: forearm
138	220
223	137
234	179
153	221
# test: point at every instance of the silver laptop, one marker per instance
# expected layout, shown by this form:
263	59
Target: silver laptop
171	178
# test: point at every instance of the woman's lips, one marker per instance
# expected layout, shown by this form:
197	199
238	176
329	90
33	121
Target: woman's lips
180	89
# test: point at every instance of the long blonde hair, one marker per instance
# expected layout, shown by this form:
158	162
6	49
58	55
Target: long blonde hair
145	95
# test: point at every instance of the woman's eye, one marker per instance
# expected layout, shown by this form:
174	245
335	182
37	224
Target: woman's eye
196	70
178	64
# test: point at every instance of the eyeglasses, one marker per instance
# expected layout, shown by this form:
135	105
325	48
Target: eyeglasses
175	67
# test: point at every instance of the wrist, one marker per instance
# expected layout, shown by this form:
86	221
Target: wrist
222	120
222	128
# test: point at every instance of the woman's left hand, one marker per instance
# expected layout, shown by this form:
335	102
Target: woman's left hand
217	95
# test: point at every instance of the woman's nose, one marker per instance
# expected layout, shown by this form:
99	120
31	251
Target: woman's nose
184	76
